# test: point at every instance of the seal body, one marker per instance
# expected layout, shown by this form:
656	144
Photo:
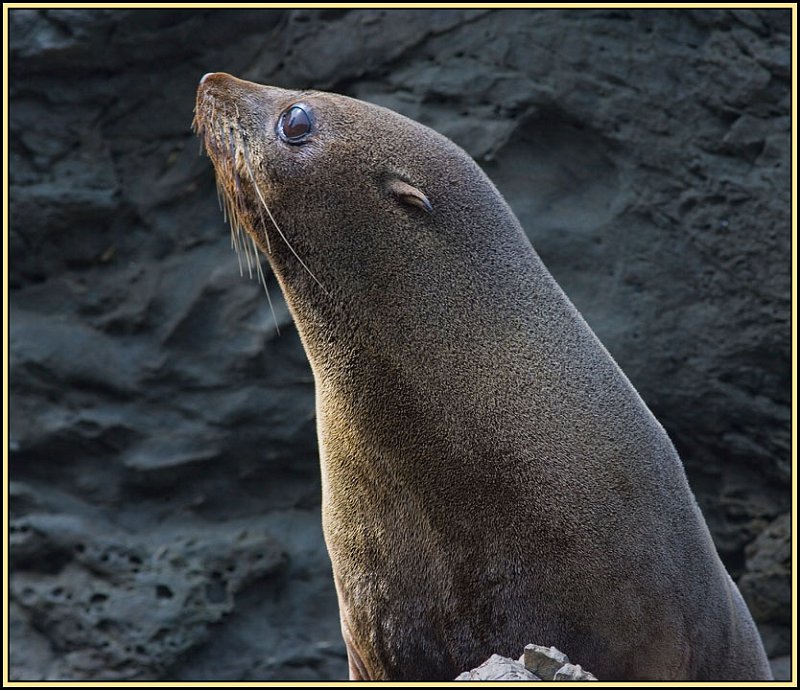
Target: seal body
490	477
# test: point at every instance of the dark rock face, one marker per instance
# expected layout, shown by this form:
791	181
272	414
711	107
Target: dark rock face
92	584
165	483
766	583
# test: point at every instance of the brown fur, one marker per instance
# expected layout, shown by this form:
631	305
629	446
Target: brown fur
490	477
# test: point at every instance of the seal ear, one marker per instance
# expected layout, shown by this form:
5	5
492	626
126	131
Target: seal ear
409	195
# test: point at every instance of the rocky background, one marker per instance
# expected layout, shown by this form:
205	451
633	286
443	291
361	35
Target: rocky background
164	488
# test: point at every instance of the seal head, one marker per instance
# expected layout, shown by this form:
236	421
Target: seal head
297	171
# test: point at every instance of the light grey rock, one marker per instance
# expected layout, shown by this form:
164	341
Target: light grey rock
543	661
572	672
536	663
498	667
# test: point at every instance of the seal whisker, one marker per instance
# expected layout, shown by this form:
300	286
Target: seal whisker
280	232
241	240
245	157
238	247
228	214
263	280
232	148
219	200
236	219
266	234
241	245
247	257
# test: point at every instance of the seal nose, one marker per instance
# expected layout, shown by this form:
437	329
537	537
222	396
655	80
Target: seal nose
224	81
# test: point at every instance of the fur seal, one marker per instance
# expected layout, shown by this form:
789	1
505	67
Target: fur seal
490	477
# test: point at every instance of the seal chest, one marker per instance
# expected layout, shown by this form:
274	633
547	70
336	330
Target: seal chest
490	476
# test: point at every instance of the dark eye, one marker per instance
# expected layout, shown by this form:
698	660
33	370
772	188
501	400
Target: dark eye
294	125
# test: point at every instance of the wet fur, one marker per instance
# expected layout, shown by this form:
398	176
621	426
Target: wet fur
490	476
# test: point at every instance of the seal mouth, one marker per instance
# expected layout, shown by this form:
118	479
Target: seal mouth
218	124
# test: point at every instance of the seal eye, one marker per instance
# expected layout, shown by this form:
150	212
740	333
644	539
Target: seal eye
294	125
